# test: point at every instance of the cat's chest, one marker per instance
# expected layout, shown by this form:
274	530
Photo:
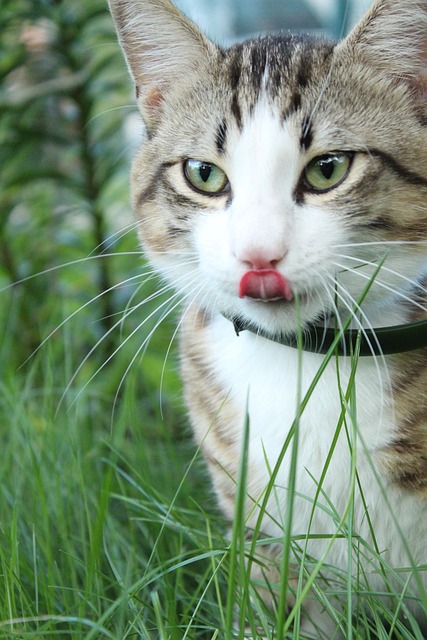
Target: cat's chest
274	381
279	388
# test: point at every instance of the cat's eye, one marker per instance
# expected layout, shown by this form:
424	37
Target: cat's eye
327	172
206	177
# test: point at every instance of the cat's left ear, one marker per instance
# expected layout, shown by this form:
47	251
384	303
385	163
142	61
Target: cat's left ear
392	36
162	47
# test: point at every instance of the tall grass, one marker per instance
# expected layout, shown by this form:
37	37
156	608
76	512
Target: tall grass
104	528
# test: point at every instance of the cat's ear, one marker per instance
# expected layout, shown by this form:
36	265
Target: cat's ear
161	46
393	37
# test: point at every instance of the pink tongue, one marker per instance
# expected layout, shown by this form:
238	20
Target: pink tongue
264	284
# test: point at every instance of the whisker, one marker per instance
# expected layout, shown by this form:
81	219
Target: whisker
118	285
93	349
72	263
334	309
108	242
175	333
131	107
141	349
147	275
153	276
147	339
114	353
415	283
387	243
130	308
353	306
383	285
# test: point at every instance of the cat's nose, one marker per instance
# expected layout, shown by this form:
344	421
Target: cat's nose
260	260
257	258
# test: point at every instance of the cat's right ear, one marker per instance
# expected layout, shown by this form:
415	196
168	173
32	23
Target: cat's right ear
161	47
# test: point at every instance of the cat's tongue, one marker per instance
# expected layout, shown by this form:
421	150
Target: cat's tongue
264	284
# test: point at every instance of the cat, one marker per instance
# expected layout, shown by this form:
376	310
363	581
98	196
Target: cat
280	189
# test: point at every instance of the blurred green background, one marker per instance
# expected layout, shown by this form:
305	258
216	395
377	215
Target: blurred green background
64	152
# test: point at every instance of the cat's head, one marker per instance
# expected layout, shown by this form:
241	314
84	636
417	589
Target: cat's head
282	169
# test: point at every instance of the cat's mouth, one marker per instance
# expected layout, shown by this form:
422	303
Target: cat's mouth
266	285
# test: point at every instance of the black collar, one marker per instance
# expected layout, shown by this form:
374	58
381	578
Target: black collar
381	341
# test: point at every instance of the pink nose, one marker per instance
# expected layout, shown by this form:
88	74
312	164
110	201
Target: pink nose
260	259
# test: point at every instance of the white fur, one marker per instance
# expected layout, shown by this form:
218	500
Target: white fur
264	377
264	169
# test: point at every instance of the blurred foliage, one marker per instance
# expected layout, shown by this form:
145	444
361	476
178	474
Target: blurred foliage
83	403
67	123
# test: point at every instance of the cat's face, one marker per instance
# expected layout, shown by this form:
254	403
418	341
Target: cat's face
278	175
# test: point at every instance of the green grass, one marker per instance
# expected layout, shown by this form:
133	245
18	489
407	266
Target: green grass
109	528
103	531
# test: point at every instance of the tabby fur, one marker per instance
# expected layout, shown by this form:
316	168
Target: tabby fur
261	111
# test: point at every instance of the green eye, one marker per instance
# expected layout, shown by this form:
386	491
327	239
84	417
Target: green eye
205	177
328	171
